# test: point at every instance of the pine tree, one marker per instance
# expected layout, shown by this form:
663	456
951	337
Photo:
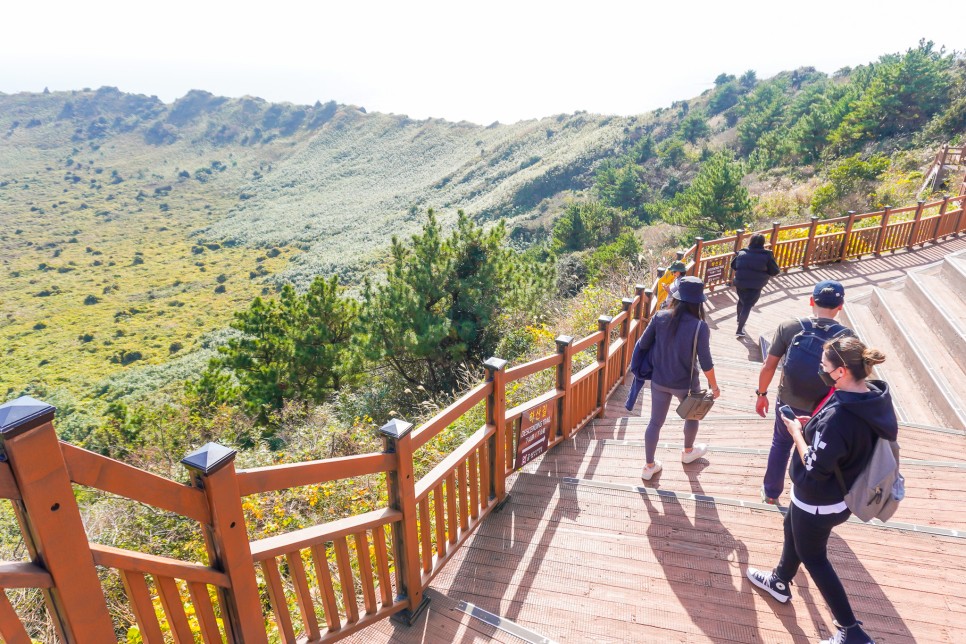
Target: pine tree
715	201
298	347
436	313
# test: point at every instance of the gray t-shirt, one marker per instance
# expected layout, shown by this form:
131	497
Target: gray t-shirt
784	335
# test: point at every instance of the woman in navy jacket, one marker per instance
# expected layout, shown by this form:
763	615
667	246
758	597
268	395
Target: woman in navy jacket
841	434
668	342
753	266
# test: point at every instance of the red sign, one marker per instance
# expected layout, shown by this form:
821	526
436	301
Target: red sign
534	436
714	271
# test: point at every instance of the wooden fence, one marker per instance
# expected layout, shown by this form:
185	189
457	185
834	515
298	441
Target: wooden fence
825	241
383	559
946	157
322	583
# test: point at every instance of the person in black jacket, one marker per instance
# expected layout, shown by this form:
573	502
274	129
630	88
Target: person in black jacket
842	435
752	266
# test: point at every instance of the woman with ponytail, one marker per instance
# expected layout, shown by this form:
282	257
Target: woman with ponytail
841	434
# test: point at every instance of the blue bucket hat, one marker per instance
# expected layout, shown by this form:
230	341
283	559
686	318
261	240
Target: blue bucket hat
690	289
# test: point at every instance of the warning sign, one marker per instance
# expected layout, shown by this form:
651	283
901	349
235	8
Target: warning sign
534	436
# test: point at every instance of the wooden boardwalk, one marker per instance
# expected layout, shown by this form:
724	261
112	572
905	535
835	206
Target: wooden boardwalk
584	551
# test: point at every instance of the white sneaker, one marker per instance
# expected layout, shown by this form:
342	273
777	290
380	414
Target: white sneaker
648	472
699	450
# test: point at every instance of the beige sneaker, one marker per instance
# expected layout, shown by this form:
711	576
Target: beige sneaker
699	450
648	472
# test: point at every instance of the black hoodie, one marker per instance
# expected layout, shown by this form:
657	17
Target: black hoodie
843	432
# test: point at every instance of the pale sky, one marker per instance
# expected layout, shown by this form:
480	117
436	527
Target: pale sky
482	62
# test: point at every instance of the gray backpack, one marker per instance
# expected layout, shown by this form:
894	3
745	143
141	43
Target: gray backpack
880	486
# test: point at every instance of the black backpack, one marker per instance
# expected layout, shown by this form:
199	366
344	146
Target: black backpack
803	358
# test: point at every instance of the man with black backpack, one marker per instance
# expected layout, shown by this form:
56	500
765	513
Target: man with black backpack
798	346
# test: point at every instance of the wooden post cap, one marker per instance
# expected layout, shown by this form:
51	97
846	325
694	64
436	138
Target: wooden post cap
495	364
396	428
626	302
564	340
23	414
209	459
604	320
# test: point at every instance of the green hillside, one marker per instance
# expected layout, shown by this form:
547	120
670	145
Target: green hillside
131	228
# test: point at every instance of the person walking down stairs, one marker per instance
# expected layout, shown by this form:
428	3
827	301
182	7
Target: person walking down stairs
838	441
669	343
752	266
798	345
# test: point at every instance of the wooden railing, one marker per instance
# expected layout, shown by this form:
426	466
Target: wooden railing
849	237
946	156
324	582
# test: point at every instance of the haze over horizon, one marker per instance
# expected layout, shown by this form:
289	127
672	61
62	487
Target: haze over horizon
499	62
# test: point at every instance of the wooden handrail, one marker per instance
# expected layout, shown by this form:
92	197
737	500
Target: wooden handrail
425	432
127	560
279	477
282	544
516	412
105	474
590	340
23	574
532	367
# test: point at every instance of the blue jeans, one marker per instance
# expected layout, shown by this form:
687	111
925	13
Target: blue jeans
806	543
781	447
660	403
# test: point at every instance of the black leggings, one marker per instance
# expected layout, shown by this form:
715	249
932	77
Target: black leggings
806	542
747	298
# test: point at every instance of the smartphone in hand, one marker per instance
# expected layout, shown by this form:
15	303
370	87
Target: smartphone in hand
787	412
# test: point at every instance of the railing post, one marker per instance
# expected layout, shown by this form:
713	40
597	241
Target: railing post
915	225
212	469
962	214
603	349
401	487
774	234
739	238
883	228
942	212
810	244
626	304
496	416
648	298
564	375
698	247
51	522
640	291
848	234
